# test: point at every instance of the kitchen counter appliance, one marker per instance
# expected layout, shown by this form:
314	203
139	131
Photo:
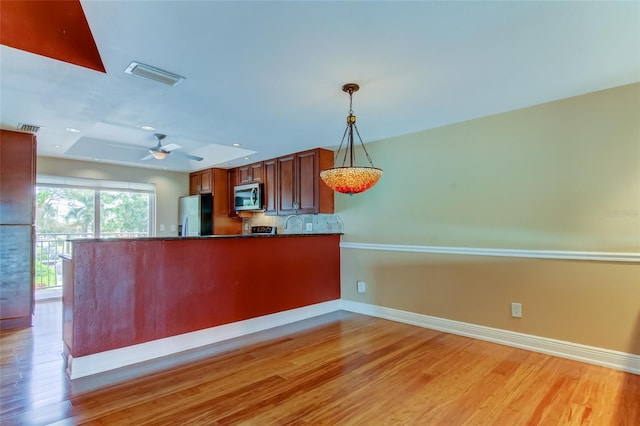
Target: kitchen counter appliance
248	197
264	230
195	213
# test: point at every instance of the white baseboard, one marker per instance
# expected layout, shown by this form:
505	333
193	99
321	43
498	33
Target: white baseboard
123	357
589	354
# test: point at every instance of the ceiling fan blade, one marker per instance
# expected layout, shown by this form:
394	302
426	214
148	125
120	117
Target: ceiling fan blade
184	154
170	147
147	157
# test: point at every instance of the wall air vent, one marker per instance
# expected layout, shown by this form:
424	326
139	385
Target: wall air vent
30	128
153	73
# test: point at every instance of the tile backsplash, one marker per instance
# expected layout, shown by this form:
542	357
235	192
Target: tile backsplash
296	224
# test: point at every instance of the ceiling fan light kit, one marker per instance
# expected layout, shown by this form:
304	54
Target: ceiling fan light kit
351	179
158	155
160	152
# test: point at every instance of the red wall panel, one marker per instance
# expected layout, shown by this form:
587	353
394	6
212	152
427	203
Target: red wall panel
133	291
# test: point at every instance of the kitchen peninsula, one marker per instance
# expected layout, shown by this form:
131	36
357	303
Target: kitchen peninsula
131	300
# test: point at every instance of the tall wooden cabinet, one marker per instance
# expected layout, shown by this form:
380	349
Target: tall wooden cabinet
17	222
215	181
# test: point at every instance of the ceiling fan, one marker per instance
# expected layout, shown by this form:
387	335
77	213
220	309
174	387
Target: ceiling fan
160	152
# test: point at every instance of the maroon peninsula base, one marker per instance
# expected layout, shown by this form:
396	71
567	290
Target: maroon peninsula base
124	292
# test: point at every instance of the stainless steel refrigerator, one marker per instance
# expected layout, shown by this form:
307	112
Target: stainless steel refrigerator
195	215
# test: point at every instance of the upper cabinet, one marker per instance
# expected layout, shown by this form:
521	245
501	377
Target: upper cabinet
286	199
300	189
252	173
17	178
206	181
232	179
201	182
292	183
314	196
270	190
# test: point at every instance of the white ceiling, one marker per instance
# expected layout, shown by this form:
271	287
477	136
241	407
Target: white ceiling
268	75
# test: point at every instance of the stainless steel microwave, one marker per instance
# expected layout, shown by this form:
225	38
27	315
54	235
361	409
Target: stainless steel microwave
248	197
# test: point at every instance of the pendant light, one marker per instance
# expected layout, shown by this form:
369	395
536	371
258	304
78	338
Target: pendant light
351	179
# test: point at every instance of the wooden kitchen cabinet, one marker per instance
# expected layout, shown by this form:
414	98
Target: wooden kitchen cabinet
270	190
310	186
243	175
232	180
217	182
17	218
286	185
17	178
201	182
206	181
299	187
251	173
292	183
194	183
223	224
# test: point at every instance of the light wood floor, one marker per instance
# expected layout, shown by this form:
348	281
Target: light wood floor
338	369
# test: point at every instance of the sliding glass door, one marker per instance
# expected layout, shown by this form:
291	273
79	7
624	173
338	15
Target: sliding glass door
66	212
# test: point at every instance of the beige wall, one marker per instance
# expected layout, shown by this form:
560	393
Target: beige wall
559	176
169	185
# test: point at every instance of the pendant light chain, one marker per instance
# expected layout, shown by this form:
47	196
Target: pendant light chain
344	160
352	123
350	101
363	147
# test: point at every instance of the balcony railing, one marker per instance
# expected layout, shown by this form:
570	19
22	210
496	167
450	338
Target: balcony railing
49	247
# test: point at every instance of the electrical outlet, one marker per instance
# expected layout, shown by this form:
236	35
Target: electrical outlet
362	287
162	227
309	226
516	310
173	228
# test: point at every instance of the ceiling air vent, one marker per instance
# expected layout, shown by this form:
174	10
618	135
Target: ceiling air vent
153	73
31	128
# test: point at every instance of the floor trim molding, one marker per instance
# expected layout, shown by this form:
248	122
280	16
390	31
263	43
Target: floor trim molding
593	355
149	351
130	355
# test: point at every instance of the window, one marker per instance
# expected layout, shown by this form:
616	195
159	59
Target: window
124	214
70	208
86	208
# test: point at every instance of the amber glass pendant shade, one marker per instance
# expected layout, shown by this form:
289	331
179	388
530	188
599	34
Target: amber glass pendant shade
351	179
